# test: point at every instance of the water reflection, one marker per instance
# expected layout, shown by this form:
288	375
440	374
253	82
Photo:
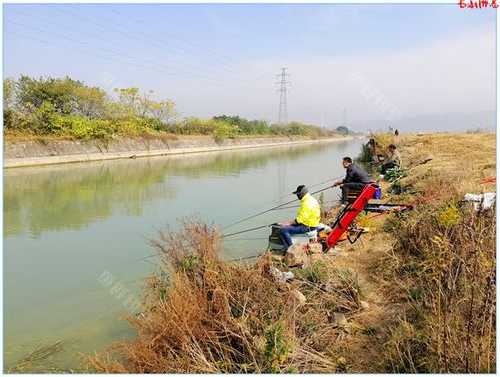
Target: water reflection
74	196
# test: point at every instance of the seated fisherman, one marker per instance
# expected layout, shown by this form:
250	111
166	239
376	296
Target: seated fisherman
392	160
355	178
307	219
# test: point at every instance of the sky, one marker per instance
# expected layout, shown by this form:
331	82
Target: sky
355	64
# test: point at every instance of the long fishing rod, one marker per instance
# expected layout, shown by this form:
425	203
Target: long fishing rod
246	230
311	186
263	212
298	205
280	205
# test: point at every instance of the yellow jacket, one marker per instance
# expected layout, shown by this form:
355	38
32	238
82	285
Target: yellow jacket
309	211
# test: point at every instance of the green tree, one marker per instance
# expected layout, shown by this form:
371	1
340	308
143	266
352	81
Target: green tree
68	96
343	130
90	102
163	111
129	99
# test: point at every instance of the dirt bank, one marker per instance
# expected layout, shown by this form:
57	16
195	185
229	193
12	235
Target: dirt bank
36	152
429	276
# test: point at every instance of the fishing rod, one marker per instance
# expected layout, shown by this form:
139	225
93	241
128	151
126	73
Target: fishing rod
271	209
248	239
298	205
246	230
280	205
244	258
314	185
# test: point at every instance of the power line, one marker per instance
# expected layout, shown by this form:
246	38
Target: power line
283	107
156	40
149	64
153	64
219	58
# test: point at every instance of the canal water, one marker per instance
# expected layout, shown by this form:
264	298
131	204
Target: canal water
76	236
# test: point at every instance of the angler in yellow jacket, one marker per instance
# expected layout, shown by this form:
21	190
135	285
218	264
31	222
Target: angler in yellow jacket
307	219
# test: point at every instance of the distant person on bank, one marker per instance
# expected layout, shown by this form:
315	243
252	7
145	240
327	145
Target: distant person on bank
308	216
355	178
392	160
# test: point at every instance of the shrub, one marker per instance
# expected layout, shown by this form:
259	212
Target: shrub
44	119
394	174
278	347
224	130
67	107
444	259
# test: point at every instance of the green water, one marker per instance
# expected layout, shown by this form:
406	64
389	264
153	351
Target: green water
66	227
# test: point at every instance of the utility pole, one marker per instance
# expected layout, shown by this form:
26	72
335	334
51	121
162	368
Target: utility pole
283	86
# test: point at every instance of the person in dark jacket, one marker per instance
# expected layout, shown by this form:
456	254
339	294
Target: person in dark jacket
392	160
355	178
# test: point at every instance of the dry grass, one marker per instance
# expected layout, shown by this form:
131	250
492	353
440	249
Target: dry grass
460	159
442	265
203	315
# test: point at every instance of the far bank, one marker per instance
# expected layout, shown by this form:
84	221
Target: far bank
39	152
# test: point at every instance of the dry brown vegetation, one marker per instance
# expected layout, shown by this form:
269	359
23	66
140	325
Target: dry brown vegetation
441	266
205	315
428	278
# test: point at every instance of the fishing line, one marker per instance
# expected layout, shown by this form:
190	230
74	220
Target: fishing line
244	258
246	230
280	205
271	209
248	239
297	206
311	186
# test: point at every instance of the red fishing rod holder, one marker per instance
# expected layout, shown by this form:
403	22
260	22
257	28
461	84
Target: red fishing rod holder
349	213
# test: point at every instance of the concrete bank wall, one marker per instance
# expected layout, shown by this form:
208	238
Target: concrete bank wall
32	153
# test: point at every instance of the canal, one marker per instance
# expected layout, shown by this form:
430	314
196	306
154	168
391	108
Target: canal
71	229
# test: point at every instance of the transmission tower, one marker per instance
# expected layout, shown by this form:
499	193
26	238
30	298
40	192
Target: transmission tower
344	117
283	86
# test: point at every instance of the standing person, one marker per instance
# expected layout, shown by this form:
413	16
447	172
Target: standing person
355	178
392	160
372	149
307	219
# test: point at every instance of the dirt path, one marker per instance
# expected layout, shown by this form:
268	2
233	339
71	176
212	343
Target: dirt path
365	347
369	328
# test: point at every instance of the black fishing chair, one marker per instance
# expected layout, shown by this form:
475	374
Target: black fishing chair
353	193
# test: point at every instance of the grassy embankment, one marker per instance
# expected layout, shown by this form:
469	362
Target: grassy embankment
49	109
418	293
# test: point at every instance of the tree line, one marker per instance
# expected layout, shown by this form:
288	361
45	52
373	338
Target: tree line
66	107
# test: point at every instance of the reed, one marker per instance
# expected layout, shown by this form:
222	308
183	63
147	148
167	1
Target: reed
39	355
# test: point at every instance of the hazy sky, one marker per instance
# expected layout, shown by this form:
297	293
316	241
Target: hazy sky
379	62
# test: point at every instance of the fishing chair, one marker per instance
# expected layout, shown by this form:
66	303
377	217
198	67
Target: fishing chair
353	193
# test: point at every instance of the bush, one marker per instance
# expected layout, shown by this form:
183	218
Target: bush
444	259
224	130
44	119
394	174
66	107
